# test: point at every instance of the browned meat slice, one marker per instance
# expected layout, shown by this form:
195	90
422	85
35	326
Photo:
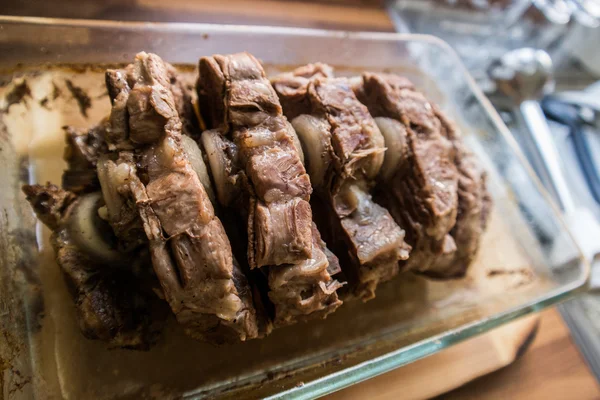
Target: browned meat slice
291	87
239	104
344	152
305	290
432	185
474	204
111	303
190	251
83	149
120	209
201	281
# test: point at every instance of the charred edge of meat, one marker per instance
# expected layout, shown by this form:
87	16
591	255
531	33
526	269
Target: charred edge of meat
81	154
108	306
49	202
117	132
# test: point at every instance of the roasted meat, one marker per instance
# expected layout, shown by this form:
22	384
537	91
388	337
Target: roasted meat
256	162
432	184
114	300
291	87
474	206
344	153
163	197
191	253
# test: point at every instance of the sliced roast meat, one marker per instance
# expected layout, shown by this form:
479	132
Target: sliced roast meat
474	204
421	193
136	227
432	185
291	87
344	151
258	152
190	251
305	291
200	279
114	303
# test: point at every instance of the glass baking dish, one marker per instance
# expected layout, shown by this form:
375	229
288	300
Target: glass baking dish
528	259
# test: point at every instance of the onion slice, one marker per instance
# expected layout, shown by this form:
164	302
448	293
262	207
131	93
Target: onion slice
394	134
194	156
88	231
220	165
314	136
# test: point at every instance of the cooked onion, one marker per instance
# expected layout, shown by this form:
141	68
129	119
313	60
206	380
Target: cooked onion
314	136
373	168
220	165
109	184
88	231
394	134
194	155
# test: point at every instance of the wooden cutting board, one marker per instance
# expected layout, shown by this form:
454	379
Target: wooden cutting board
450	368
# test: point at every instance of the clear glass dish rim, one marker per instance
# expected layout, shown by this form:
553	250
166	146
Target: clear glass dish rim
402	356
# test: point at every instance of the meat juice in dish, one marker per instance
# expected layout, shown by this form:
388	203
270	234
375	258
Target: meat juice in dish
148	184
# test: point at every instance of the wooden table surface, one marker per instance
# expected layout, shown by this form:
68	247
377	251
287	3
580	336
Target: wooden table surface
552	368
